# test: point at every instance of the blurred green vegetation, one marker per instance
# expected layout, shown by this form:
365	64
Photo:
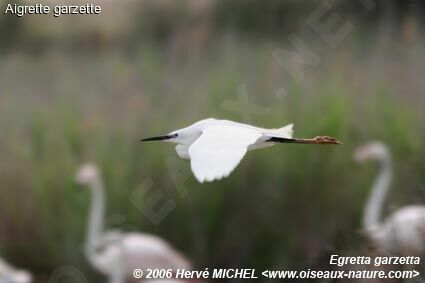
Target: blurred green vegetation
287	206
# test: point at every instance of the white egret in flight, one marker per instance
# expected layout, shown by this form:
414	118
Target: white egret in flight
215	147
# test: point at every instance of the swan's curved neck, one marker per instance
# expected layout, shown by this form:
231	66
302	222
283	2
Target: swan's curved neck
373	210
95	223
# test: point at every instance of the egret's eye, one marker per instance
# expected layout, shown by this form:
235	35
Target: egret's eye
171	136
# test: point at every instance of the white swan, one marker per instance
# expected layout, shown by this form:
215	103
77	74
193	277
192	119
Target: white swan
9	274
403	232
116	254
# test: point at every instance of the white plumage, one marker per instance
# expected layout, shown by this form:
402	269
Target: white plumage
403	232
114	253
215	147
9	274
217	152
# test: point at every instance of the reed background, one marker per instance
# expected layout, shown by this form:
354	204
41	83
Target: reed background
75	89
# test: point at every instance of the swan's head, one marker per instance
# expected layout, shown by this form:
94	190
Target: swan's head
371	151
86	174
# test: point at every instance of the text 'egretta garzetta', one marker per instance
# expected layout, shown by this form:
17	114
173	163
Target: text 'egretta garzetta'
215	147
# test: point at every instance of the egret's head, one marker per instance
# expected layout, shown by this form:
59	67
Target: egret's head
371	151
86	174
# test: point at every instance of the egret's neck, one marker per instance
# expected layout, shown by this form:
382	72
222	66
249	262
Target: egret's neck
95	223
373	210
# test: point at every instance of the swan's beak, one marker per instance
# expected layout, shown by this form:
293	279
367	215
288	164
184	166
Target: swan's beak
161	138
360	155
79	183
78	179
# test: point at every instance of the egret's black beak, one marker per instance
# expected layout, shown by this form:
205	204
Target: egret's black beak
161	138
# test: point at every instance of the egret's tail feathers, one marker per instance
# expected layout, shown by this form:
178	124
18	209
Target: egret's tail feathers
285	132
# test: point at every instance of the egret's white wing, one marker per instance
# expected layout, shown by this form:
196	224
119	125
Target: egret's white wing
219	149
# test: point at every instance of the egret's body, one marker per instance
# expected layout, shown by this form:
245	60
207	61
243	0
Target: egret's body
9	274
403	232
116	254
215	147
